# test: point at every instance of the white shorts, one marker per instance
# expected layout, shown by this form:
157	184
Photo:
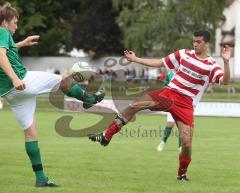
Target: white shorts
23	102
170	118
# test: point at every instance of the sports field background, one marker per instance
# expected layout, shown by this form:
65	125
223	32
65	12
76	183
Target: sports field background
128	165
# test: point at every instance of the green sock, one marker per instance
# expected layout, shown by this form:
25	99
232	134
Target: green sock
33	152
179	142
79	93
166	133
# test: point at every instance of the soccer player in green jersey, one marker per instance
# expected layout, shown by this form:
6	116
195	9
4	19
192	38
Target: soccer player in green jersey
20	87
168	75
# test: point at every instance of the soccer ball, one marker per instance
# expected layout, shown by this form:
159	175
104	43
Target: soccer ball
81	71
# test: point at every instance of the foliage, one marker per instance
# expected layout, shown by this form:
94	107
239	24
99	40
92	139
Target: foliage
103	27
42	18
165	25
95	29
88	25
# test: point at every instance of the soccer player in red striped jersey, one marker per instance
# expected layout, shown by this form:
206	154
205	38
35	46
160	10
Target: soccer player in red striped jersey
195	69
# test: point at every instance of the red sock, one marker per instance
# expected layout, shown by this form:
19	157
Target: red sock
112	129
183	164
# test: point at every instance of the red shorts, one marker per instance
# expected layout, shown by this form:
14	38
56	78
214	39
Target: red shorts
170	100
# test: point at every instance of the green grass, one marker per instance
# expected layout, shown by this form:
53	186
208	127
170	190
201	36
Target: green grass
129	164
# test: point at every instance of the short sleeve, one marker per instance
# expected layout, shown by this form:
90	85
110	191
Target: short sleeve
216	74
172	61
4	38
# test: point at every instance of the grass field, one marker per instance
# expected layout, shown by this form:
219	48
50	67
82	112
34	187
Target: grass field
130	164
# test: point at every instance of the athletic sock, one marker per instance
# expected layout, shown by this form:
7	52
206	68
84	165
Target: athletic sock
33	152
79	93
166	133
183	164
179	142
115	127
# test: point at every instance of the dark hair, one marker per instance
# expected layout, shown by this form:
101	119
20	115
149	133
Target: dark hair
203	33
7	12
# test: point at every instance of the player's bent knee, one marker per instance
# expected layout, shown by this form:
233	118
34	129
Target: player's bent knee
66	84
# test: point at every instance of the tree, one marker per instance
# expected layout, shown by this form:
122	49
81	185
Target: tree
165	25
42	18
88	25
138	21
95	29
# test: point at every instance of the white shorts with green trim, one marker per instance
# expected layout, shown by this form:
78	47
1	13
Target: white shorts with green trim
23	102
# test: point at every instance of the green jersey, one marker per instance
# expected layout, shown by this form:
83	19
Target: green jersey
168	77
6	41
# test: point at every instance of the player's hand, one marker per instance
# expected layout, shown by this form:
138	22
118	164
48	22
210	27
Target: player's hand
130	56
31	40
226	53
19	84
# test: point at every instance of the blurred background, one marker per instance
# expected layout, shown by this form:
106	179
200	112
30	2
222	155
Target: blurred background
98	32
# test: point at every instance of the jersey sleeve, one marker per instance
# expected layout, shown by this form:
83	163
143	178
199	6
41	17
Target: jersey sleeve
216	74
172	61
4	38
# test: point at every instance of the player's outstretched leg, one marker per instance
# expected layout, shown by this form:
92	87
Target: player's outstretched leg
145	102
98	97
100	137
74	90
105	138
88	100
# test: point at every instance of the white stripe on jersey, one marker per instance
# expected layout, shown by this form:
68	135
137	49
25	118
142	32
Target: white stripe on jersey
188	84
174	61
192	73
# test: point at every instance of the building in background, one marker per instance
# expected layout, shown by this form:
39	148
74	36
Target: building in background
229	34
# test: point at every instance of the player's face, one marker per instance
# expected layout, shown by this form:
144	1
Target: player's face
12	25
200	46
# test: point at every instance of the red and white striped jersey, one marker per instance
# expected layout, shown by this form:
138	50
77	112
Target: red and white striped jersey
193	74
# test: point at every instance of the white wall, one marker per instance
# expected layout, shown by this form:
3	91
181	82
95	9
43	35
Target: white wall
44	63
65	63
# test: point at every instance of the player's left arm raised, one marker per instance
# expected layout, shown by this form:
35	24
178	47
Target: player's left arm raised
29	41
226	55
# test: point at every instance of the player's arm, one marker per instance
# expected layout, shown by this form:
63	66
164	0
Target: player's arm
7	68
29	41
226	55
130	56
